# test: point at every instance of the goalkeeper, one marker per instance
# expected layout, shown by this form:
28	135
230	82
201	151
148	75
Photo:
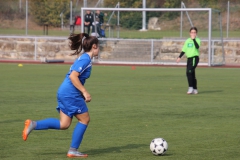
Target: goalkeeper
191	50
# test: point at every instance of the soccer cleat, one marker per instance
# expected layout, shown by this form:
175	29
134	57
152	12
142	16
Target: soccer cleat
76	154
27	129
195	91
190	90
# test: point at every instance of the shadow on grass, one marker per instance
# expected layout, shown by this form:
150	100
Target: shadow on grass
11	121
114	149
206	92
119	149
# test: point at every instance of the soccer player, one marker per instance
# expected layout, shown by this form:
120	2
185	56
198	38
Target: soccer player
72	95
191	50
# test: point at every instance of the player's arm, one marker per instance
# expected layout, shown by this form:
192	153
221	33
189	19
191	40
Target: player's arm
195	43
180	56
75	81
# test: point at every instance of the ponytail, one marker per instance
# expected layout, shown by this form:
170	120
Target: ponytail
81	41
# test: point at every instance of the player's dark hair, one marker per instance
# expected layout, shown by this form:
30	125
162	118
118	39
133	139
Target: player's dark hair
193	28
81	41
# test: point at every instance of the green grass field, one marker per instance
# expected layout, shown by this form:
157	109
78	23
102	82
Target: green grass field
129	108
134	34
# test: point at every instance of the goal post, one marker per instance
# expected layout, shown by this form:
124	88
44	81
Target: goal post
218	52
209	28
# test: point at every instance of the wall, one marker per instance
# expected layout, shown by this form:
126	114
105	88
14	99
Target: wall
37	48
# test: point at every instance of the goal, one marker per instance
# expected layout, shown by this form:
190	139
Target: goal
126	43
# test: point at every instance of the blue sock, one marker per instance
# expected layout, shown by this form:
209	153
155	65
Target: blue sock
49	123
77	135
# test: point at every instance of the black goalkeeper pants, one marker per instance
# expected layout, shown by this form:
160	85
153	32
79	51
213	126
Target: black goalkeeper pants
191	75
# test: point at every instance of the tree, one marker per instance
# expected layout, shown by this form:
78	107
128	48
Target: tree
171	4
133	20
48	12
10	10
207	3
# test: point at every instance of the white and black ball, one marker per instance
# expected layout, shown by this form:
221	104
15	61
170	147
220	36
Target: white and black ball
158	146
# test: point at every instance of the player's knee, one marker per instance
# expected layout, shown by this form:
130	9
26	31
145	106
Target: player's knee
189	72
85	120
64	126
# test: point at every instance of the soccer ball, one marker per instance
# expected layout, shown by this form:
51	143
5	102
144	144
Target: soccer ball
158	146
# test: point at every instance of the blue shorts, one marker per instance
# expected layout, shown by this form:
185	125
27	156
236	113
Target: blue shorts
71	105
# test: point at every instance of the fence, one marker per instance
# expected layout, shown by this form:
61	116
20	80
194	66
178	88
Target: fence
18	18
15	21
115	51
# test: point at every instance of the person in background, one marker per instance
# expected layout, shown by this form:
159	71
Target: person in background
100	16
191	50
88	20
72	96
99	20
77	22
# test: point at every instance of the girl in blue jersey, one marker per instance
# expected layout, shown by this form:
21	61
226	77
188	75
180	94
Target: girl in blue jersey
72	95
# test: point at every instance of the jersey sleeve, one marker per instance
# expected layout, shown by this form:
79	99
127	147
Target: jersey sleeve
198	41
184	48
80	65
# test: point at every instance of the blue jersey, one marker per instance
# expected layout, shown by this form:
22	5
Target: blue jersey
83	65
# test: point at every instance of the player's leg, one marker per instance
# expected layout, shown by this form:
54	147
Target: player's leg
189	74
77	136
194	83
85	28
93	28
48	123
196	60
88	29
54	123
99	30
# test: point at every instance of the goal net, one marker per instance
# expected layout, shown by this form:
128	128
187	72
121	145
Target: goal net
158	37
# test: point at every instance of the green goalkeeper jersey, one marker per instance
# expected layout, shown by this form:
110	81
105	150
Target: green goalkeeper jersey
190	49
